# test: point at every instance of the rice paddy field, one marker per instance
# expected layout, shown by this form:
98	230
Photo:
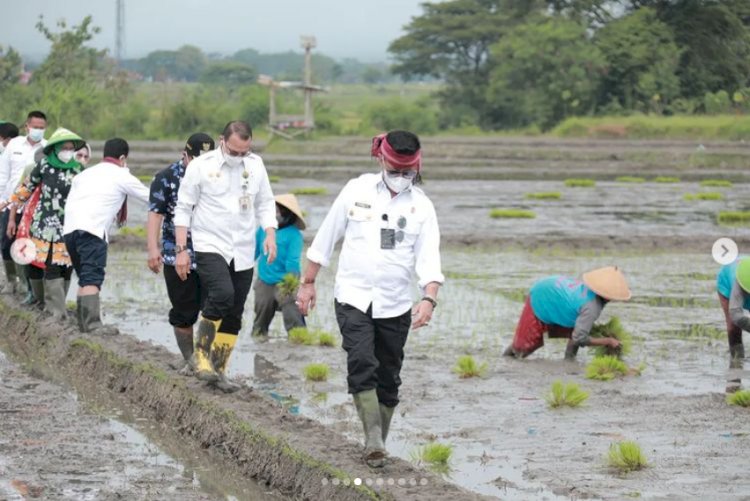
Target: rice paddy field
504	440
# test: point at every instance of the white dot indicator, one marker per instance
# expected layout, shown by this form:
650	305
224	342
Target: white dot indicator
357	481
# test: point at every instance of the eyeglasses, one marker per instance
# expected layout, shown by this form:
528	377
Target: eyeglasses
233	153
408	174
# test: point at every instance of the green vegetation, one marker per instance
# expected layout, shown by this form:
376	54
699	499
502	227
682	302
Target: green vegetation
274	179
544	195
741	398
307	337
288	285
706	195
135	231
695	331
580	183
145	178
512	214
675	302
613	329
569	394
630	179
466	367
316	372
517	295
434	453
716	183
626	456
310	191
733	218
666	179
326	339
652	126
606	368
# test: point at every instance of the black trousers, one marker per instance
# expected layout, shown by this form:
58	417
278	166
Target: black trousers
226	290
5	241
185	297
374	350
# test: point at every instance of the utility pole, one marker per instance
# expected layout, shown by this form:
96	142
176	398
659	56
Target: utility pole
120	30
308	43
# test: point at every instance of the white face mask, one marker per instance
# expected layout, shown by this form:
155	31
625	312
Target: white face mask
66	156
396	184
233	161
36	135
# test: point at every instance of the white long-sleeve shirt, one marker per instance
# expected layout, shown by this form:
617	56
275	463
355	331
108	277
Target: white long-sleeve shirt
18	154
208	203
96	196
368	274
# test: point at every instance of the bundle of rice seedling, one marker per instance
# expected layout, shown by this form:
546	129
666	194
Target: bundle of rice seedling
614	329
626	456
741	398
467	367
569	394
288	285
606	368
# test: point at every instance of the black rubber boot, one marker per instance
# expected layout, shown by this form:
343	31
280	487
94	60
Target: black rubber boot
89	317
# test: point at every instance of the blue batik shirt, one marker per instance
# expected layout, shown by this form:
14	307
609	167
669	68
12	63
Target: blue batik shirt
162	200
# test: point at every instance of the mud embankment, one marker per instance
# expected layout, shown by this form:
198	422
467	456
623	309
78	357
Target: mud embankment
293	455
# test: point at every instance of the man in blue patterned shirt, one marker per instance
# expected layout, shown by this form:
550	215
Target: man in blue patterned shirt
185	296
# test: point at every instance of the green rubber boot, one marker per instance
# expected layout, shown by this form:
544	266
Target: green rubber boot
11	278
89	317
54	299
37	289
369	413
386	414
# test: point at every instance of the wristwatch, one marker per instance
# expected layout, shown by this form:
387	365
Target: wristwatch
430	300
179	248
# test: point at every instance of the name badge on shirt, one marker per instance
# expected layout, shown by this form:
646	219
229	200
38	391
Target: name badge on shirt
387	238
245	202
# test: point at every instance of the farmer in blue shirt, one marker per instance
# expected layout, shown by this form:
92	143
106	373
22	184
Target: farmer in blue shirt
268	298
733	284
184	296
567	307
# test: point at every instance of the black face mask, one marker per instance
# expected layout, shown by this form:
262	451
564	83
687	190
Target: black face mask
285	218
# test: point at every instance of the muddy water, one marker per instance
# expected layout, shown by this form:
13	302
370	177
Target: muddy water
507	443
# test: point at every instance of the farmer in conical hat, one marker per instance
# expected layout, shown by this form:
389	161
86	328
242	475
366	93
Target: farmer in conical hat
268	296
54	173
566	307
733	286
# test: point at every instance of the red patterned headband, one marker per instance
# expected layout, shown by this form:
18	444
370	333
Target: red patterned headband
380	147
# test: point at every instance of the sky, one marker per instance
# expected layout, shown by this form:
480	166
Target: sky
360	29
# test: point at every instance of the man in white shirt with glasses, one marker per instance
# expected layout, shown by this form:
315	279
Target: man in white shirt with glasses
224	195
390	231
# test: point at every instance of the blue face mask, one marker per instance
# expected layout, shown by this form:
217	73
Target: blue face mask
36	135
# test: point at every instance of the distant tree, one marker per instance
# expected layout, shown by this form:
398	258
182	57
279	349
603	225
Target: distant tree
69	59
186	64
642	61
542	72
228	73
372	75
10	66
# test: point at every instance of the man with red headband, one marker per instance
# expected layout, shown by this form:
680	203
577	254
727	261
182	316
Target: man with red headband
390	230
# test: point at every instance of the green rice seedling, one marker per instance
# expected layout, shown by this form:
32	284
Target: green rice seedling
316	372
626	456
630	179
580	183
434	453
466	367
145	178
606	368
511	214
310	191
694	331
301	335
136	231
697	275
741	398
326	339
288	285
569	394
706	195
666	179
614	329
716	183
274	179
733	218
544	195
517	295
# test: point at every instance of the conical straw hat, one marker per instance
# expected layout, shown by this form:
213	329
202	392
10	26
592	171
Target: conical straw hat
608	282
289	201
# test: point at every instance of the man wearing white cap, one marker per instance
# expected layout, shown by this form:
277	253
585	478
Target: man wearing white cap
566	307
289	243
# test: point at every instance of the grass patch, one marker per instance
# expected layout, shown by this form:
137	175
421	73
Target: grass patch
580	183
544	195
316	372
741	398
288	285
274	179
145	178
466	367
434	453
695	331
614	329
733	218
517	295
706	195
310	191
626	456
136	231
716	183
512	214
301	335
561	395
326	339
666	179
606	368
630	179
